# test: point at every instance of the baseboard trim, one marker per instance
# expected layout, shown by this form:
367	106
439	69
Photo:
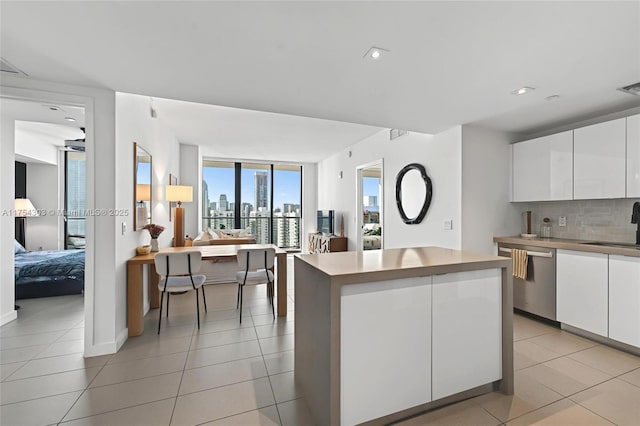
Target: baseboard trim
601	339
101	349
8	317
107	348
122	337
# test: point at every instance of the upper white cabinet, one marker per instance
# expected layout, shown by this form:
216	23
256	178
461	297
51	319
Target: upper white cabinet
582	290
599	160
543	168
633	156
624	299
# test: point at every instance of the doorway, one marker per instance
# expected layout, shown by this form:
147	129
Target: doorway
370	208
31	118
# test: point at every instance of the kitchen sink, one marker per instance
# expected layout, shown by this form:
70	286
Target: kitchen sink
616	245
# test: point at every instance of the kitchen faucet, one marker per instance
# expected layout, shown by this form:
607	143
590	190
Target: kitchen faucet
635	218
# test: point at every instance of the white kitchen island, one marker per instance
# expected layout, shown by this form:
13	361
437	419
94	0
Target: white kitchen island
382	335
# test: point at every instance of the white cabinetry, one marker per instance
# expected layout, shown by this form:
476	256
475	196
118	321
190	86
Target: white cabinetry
624	299
599	160
581	289
633	156
466	334
373	370
543	168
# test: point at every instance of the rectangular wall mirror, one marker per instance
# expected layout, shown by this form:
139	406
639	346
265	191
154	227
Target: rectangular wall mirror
141	187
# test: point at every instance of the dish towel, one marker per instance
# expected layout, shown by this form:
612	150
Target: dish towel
520	261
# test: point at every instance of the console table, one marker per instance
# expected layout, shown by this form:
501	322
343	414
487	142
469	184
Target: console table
135	315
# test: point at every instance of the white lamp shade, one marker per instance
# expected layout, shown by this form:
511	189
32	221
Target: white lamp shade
24	208
143	192
182	193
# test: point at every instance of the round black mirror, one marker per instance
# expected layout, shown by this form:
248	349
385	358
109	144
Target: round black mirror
413	193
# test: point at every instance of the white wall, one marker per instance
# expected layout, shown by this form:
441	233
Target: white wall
134	124
7	222
43	189
486	171
309	202
440	155
191	174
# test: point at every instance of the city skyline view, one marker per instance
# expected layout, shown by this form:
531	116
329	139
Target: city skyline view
222	181
278	224
371	188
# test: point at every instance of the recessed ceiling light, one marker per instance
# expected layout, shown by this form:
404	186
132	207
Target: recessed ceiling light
552	98
375	53
522	90
70	119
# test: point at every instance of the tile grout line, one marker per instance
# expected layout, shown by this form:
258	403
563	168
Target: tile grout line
113	411
175	400
275	401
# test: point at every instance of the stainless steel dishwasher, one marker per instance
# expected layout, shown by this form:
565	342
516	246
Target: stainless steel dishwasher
536	294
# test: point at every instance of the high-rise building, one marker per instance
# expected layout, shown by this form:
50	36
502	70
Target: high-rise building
261	186
245	213
259	225
213	206
286	229
223	220
76	192
291	208
205	200
370	201
224	205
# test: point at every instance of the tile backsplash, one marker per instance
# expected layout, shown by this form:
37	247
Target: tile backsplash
602	220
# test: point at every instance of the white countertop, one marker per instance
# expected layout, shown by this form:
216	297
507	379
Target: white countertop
400	263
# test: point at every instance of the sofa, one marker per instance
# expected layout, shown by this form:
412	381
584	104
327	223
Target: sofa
225	237
220	271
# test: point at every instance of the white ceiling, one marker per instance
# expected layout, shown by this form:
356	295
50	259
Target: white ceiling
52	134
253	135
449	62
38	124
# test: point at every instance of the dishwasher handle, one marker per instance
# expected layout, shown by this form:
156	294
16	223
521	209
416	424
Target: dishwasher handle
530	253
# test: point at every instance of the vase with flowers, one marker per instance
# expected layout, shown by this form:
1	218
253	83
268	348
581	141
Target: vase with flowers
155	231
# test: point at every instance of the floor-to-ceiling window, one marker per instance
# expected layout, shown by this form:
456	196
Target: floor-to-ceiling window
264	199
75	199
287	211
218	195
255	208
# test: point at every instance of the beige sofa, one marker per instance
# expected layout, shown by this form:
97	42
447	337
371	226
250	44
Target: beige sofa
220	271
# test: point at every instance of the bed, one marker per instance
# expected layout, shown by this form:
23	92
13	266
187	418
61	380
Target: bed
48	273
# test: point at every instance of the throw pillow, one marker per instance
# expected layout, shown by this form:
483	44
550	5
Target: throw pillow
204	236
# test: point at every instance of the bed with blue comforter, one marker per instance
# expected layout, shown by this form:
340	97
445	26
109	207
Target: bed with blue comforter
49	273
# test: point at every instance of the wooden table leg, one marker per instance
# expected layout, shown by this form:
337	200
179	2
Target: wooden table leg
282	284
154	292
135	317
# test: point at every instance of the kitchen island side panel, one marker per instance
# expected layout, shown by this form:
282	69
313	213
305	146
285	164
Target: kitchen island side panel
312	358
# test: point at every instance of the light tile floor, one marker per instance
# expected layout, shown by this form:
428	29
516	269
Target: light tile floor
229	373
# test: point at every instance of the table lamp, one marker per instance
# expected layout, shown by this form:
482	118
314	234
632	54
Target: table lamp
179	194
143	193
23	207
